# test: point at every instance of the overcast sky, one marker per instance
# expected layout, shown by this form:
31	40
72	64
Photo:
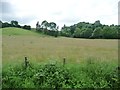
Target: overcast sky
61	12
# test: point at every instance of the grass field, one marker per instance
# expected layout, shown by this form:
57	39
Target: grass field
19	43
39	48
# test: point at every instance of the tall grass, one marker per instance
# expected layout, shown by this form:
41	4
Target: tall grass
89	62
39	49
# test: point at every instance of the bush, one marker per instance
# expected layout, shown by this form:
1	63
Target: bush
53	76
88	75
27	27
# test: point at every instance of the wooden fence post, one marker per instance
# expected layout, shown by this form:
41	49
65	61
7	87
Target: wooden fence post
64	61
26	62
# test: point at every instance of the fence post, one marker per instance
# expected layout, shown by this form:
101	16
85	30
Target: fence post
64	61
26	62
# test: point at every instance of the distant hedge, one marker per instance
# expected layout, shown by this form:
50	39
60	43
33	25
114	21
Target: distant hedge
14	24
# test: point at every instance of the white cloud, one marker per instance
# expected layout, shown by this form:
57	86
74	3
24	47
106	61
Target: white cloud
66	11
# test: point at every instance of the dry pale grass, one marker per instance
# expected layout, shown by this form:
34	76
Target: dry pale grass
40	49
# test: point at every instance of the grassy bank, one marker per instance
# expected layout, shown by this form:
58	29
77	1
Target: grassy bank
90	74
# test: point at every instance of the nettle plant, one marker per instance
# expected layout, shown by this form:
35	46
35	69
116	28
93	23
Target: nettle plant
89	75
53	76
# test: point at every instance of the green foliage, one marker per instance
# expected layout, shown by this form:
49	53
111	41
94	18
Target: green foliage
0	24
37	26
52	26
97	33
27	27
86	75
77	32
6	25
88	30
44	24
109	32
53	76
13	24
48	28
65	31
97	24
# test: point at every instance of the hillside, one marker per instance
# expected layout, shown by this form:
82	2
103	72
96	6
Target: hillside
17	43
18	31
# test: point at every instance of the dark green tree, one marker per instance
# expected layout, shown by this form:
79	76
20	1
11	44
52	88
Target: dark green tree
53	26
37	26
97	24
97	33
53	29
72	30
109	33
77	33
14	23
6	24
44	24
27	27
0	24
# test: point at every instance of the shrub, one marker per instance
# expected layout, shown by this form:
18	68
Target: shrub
88	75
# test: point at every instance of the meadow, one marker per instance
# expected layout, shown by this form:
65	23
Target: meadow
82	55
39	47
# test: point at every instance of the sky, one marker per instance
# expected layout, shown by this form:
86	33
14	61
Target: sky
61	12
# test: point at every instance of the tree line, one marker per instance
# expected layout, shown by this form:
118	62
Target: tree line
91	30
88	30
49	28
14	23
